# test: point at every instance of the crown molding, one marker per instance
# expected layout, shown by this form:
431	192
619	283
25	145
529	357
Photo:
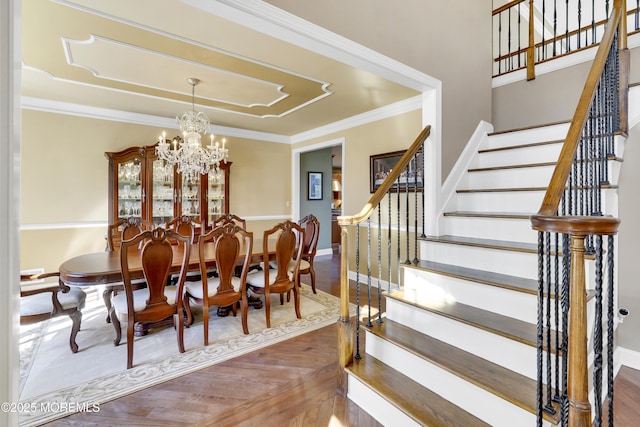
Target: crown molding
387	111
275	22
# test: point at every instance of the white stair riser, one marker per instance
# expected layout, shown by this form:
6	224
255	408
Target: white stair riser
517	230
516	201
536	154
475	400
528	136
382	410
508	201
524	177
522	264
511	354
519	305
530	177
512	263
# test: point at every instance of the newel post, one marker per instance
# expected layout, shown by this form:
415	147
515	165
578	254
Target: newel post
345	323
578	381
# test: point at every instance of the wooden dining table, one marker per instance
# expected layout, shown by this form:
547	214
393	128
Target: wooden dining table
103	268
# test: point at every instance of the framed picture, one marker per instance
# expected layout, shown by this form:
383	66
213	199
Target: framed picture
380	165
315	186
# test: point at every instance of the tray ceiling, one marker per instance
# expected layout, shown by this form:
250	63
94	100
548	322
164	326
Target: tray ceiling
135	57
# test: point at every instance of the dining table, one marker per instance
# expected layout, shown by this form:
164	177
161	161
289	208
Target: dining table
103	268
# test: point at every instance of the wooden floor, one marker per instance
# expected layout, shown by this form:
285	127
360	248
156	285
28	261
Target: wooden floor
292	383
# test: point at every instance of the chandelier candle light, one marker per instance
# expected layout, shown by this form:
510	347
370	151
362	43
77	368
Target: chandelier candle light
187	153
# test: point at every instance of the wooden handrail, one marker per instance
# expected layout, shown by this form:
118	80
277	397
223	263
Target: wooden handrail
560	175
377	197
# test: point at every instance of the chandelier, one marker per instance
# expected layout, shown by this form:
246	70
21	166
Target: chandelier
187	153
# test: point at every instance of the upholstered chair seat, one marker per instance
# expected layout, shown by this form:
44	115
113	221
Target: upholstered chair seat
195	288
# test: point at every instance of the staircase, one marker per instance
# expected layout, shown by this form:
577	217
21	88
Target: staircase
457	346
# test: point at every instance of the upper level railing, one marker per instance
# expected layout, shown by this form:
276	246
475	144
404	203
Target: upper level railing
529	32
571	223
397	207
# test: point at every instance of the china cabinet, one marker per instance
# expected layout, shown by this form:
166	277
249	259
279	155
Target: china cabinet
142	186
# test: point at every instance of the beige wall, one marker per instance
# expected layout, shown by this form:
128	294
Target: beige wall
548	98
449	40
553	97
383	136
64	196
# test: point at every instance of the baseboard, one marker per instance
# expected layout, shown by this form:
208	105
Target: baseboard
626	357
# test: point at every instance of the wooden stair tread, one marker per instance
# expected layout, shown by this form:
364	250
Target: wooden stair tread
506	281
421	404
539	126
519	166
484	243
508	327
512	189
610	158
511	215
502	382
519	146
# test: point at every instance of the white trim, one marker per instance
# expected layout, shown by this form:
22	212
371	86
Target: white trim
10	151
626	357
62	226
295	170
59	107
104	224
400	107
459	170
324	252
261	16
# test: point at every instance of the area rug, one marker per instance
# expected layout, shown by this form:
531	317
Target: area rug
55	382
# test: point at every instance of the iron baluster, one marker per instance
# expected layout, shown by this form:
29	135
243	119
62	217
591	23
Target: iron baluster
379	320
406	189
369	324
539	349
389	241
547	249
415	217
422	177
597	338
357	356
610	322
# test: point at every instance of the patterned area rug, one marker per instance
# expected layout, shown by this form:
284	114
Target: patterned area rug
55	382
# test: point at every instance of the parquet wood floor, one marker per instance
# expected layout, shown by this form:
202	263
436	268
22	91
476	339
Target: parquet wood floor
292	383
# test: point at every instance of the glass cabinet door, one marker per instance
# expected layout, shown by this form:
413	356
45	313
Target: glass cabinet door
216	195
129	188
163	200
190	198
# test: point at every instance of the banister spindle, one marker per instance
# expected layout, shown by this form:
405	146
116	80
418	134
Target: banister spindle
597	337
369	324
357	356
407	210
415	213
379	287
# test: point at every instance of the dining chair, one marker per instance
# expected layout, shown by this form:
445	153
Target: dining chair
157	301
185	225
190	227
278	277
123	229
229	218
311	227
46	300
227	289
